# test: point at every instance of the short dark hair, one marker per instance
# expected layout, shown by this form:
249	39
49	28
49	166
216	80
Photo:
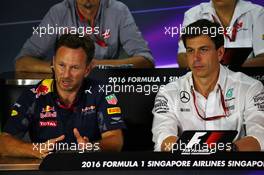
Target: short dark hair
75	41
204	27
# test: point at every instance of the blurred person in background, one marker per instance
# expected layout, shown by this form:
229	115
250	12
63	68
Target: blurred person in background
244	32
108	22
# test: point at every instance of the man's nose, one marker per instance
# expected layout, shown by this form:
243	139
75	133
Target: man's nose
66	73
197	56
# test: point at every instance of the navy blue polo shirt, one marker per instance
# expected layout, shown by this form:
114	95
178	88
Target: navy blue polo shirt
39	111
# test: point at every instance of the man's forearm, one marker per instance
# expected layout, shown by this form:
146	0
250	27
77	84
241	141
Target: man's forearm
247	143
10	146
255	62
136	61
31	64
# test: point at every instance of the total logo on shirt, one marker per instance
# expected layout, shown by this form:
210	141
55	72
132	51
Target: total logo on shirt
48	123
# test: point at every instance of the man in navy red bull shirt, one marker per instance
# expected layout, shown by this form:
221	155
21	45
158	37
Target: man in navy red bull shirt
66	110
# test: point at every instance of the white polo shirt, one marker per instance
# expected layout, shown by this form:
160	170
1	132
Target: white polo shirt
250	16
174	110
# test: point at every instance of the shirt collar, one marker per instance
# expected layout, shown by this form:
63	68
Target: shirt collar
241	8
221	78
208	8
76	101
81	17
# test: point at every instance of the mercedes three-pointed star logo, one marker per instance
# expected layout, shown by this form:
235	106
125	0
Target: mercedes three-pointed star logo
184	96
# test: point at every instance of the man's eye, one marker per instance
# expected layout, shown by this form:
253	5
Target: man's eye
189	50
75	67
203	50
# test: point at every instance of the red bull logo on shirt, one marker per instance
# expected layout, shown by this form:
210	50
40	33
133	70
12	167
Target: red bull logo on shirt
88	108
48	112
48	109
43	89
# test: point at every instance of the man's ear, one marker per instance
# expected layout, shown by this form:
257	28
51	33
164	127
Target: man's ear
53	62
88	70
220	52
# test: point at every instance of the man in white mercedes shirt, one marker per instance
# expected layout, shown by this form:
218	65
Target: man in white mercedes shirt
210	97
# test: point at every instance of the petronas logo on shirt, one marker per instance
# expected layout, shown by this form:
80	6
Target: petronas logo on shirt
229	93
